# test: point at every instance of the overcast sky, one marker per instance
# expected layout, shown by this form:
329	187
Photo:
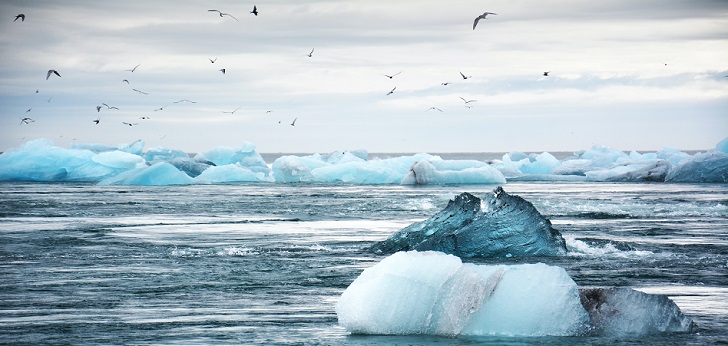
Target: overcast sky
628	74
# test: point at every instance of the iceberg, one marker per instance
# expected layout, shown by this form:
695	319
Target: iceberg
436	294
452	172
709	167
158	174
245	156
500	225
622	311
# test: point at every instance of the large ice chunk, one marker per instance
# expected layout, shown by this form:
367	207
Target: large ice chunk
434	293
161	173
500	225
622	311
710	167
452	172
245	156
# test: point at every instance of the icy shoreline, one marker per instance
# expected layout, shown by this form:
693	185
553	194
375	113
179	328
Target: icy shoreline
129	164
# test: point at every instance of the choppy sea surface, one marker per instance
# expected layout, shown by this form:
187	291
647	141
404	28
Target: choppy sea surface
265	263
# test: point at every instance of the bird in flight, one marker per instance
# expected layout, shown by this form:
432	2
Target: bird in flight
294	122
445	83
391	91
464	76
255	10
28	110
222	70
482	16
392	76
434	108
97	121
98	109
144	118
185	100
134	69
212	61
26	121
50	72
311	54
467	101
141	92
233	112
130	124
546	74
21	17
126	80
223	14
110	107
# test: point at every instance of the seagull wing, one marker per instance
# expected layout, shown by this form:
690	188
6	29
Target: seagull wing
477	19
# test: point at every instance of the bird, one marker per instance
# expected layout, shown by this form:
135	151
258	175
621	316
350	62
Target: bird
144	118
391	91
98	109
130	124
110	107
26	121
311	54
233	112
294	122
268	111
97	121
482	16
21	17
392	76
160	108
185	100
546	74
434	108
212	61
49	99
28	110
50	72
223	14
141	92
467	101
126	80
255	10
465	77
445	83
134	69
222	70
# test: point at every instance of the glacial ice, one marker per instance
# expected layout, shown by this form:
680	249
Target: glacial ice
436	294
499	225
41	160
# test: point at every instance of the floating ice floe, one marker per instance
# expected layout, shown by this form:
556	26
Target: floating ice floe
40	160
436	294
499	225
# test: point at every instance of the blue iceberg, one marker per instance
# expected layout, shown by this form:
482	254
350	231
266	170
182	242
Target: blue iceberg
500	225
436	294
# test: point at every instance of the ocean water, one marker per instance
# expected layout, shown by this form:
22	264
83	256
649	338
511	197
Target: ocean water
266	263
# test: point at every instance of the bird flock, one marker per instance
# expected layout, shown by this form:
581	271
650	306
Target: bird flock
25	120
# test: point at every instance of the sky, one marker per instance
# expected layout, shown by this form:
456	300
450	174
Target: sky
627	74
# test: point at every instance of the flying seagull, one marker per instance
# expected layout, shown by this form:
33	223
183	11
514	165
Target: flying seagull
141	92
391	91
546	74
392	76
294	122
311	54
233	112
110	107
98	109
185	100
464	76
255	10
144	118
50	72
223	14
130	124
28	110
482	16
435	108
97	121
134	69
126	80
26	121
222	70
467	101
212	61
445	83
21	17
